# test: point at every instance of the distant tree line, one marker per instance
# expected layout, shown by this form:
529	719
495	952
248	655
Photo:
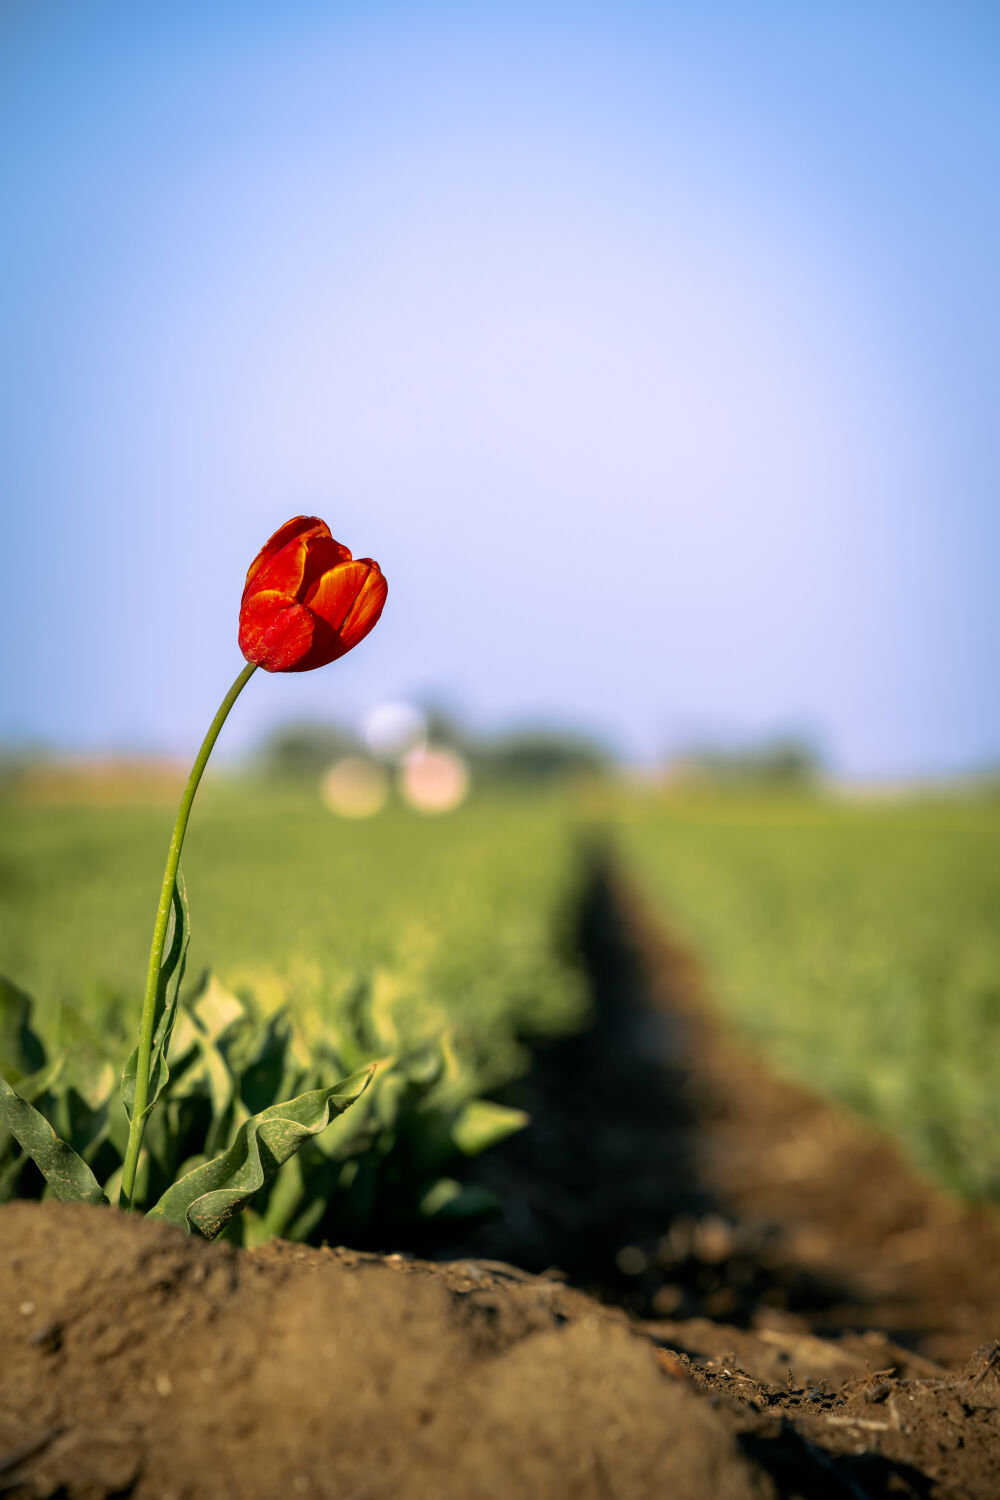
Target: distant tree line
526	757
302	751
783	762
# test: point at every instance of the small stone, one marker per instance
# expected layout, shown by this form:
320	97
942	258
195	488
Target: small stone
48	1338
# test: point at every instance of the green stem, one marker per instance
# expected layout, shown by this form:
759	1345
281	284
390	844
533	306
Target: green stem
148	1020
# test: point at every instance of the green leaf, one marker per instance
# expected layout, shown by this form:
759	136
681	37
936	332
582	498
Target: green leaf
32	1087
48	1079
10	1177
80	1111
482	1124
271	1072
448	1199
216	1008
67	1174
21	1052
88	1068
205	1026
285	1198
167	990
206	1199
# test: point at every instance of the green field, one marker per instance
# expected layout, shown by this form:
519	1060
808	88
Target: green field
452	919
858	944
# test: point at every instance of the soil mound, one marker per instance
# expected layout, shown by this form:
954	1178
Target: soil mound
140	1362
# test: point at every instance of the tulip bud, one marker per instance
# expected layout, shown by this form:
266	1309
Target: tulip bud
306	600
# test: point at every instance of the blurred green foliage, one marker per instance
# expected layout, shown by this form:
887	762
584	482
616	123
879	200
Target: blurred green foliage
293	905
859	943
429	947
250	1113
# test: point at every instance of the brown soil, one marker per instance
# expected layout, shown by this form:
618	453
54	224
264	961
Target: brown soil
784	1308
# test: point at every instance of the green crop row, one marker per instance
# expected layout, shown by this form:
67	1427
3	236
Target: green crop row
859	944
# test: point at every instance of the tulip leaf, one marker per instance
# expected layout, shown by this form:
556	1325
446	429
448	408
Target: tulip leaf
448	1199
66	1173
205	1199
215	1008
483	1123
88	1070
167	991
21	1052
48	1079
10	1177
31	1089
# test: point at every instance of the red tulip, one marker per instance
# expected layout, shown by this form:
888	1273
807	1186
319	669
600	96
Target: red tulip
306	600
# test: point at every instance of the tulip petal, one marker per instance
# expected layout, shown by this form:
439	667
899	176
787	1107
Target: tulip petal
275	633
298	561
332	596
284	534
367	606
323	553
326	646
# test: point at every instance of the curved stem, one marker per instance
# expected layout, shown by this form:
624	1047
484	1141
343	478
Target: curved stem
148	1019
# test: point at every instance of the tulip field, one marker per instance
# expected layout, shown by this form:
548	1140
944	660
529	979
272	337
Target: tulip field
857	944
430	948
366	990
419	1034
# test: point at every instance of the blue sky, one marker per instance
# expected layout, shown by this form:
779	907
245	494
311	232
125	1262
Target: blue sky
652	350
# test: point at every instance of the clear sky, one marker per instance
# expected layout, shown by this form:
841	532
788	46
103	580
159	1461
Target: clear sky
651	349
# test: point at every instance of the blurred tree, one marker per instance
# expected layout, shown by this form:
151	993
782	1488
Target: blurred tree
444	731
303	751
543	756
784	762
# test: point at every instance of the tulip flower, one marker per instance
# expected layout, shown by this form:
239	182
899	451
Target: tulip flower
307	601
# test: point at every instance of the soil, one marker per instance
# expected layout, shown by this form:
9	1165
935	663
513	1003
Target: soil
721	1287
